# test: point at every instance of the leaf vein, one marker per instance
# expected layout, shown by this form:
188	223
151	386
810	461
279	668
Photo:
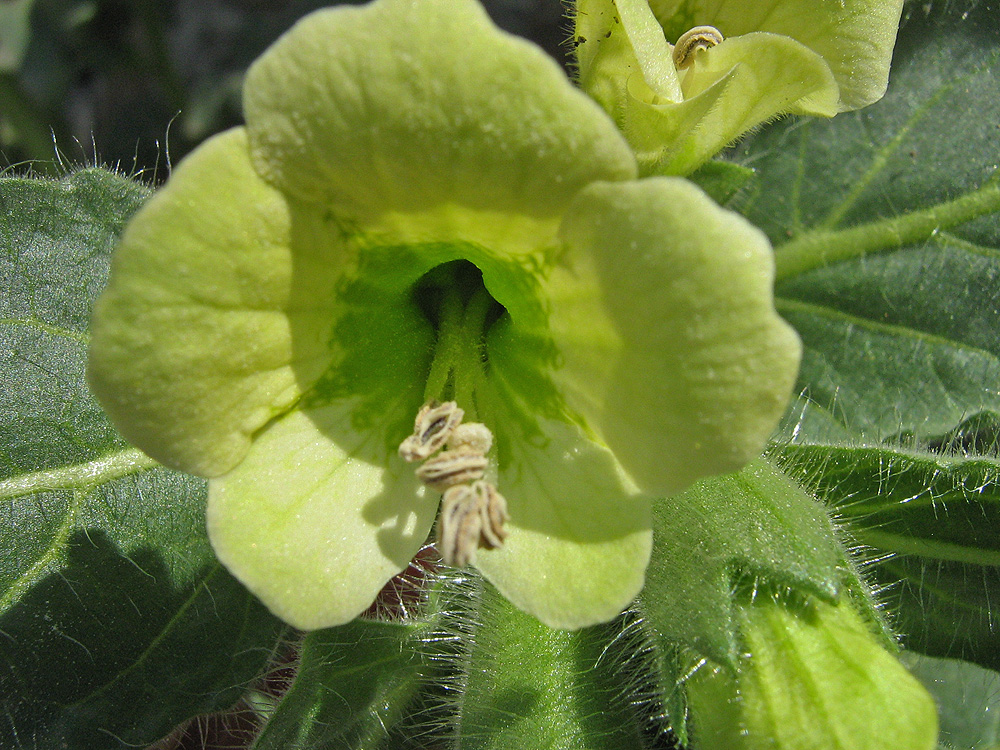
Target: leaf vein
56	546
76	476
927	548
786	304
67	333
164	632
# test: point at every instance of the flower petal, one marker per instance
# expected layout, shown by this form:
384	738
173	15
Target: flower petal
445	109
211	325
668	342
313	522
580	535
855	37
617	39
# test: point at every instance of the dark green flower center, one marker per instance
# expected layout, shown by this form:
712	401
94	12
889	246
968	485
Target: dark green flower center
455	301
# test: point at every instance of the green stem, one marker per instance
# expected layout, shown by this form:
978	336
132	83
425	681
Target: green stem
822	248
448	345
470	352
458	354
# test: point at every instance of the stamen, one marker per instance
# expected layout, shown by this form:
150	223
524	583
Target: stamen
473	435
460	527
433	426
493	514
449	468
698	38
473	513
472	517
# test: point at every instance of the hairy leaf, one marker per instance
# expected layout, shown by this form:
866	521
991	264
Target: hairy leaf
755	524
117	621
935	523
376	683
352	685
888	261
529	686
887	237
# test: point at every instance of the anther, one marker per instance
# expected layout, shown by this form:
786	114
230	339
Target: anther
433	426
472	435
460	527
473	513
452	467
492	514
698	38
472	517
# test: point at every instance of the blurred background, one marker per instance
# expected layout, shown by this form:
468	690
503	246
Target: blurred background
121	82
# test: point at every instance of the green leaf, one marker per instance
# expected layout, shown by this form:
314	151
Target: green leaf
888	244
529	686
352	685
722	180
118	622
888	258
935	521
812	676
968	699
757	523
55	238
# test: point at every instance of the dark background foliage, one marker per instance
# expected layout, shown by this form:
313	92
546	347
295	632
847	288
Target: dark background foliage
127	83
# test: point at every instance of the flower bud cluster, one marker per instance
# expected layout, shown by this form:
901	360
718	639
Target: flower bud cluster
473	512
